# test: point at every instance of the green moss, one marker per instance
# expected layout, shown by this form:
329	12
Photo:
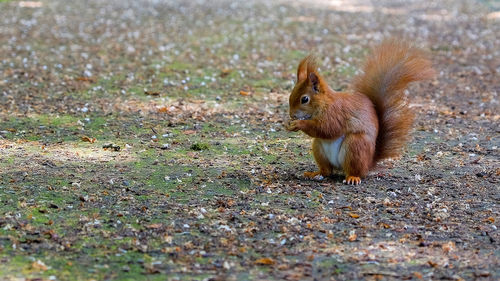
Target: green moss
199	146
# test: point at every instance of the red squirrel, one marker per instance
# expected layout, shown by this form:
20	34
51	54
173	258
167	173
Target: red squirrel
354	130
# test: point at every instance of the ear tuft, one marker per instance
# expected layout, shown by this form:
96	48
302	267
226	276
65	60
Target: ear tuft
306	66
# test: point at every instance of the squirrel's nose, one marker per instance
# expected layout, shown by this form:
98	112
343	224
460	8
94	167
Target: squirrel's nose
296	114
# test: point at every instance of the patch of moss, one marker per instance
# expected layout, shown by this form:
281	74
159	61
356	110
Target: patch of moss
199	146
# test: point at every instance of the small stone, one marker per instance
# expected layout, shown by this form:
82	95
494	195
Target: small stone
481	174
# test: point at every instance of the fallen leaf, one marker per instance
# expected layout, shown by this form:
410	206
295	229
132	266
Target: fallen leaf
151	269
167	238
30	4
151	93
352	236
482	274
265	261
384	225
39	265
490	220
189	132
243	93
448	247
87	139
84	79
354	215
154	226
225	72
283	266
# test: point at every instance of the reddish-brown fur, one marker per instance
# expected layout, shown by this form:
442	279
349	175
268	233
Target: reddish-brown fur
375	119
387	72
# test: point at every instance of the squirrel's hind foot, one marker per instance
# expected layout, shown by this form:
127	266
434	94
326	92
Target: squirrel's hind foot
352	180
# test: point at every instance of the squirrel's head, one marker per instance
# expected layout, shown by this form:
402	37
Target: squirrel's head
304	99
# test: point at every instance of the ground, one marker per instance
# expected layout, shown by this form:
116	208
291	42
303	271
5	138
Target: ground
145	140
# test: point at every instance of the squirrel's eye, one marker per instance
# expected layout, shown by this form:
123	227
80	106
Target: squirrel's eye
304	99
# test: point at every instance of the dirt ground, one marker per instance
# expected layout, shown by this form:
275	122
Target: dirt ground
144	140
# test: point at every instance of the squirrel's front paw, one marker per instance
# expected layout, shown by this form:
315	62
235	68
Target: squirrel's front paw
352	180
293	126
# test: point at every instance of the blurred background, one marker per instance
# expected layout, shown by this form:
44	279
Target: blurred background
60	55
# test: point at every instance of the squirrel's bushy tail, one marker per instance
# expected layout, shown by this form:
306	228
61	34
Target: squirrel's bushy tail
386	74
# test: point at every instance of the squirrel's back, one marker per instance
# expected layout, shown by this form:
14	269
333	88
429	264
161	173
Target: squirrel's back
387	72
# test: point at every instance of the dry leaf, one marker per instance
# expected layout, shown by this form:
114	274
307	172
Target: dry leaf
154	226
448	247
189	132
354	215
30	4
384	225
85	79
243	93
490	220
352	236
39	265
167	238
87	139
163	109
225	72
265	261
151	93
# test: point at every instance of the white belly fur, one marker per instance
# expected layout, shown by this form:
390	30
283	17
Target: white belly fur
331	149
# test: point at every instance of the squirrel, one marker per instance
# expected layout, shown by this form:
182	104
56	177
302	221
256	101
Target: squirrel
354	130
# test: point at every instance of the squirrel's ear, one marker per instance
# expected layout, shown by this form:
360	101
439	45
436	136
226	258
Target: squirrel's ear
306	66
314	79
302	70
